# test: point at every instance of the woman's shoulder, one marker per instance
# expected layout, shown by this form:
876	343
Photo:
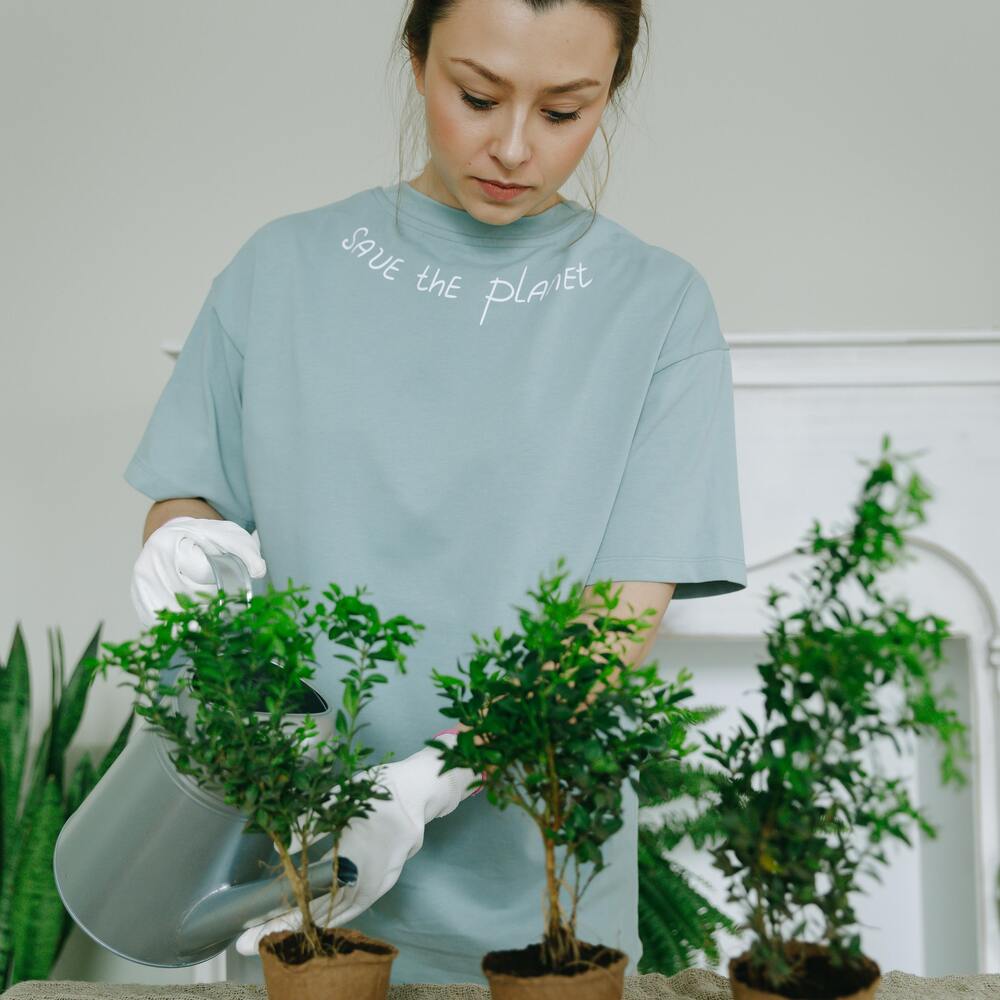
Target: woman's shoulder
675	287
668	275
614	237
281	243
307	223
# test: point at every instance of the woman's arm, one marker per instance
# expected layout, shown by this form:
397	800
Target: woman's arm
636	596
163	510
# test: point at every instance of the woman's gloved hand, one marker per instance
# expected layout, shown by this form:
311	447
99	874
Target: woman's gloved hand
381	842
171	562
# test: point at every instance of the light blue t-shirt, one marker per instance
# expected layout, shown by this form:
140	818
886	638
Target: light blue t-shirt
438	408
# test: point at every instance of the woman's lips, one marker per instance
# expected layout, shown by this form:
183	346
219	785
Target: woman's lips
499	193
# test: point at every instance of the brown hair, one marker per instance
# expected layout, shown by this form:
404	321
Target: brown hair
420	16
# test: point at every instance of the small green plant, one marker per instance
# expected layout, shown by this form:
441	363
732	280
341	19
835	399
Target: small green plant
248	662
35	802
796	786
558	722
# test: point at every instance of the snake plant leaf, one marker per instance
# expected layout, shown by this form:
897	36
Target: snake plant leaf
37	911
15	695
8	896
2	800
71	706
80	784
117	747
39	771
27	838
40	765
5	942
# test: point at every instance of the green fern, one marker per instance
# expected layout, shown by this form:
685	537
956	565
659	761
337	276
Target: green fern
677	923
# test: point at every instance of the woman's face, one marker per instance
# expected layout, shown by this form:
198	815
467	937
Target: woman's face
517	138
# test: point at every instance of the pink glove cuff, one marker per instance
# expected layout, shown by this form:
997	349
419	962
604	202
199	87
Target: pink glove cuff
455	729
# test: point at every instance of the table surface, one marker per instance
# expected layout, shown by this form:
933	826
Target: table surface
691	984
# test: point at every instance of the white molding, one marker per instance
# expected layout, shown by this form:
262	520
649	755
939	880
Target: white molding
876	359
860	338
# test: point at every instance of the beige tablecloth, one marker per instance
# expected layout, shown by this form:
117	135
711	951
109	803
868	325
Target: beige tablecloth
692	984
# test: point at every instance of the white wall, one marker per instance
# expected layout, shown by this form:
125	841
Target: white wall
825	165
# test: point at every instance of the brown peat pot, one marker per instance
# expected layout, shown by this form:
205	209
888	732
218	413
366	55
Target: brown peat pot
517	974
822	980
360	972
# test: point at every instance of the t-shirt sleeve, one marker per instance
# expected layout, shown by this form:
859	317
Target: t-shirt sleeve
676	517
193	443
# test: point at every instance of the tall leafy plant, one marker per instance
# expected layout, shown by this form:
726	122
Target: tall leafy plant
804	807
36	800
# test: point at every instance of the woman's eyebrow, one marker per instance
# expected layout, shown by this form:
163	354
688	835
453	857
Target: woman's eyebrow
558	88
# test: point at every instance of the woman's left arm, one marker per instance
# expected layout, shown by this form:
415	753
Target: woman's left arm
636	596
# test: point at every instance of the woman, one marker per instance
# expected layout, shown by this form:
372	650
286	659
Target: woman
434	389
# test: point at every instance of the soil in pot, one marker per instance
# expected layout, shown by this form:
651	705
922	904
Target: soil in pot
359	971
519	972
820	979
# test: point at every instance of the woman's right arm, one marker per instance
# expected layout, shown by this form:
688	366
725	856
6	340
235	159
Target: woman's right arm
163	510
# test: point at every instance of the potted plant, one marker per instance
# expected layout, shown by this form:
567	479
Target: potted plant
35	801
248	662
802	806
544	741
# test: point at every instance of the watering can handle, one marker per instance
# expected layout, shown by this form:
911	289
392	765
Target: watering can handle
230	571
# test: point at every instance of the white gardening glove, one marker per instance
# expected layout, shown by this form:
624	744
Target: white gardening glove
381	842
171	562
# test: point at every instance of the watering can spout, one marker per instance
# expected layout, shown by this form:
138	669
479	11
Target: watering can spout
226	912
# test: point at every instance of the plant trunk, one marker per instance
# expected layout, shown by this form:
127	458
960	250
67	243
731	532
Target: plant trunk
299	887
558	943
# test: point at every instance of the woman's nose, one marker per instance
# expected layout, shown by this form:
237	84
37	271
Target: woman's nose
511	145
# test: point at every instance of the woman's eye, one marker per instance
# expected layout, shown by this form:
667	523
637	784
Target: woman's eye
555	117
475	102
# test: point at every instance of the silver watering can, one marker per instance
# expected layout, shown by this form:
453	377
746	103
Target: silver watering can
159	870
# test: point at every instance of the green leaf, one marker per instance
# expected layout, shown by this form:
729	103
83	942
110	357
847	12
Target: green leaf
342	724
71	705
15	693
82	782
37	912
121	741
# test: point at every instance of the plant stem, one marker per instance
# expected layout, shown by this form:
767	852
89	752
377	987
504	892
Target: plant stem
299	887
557	944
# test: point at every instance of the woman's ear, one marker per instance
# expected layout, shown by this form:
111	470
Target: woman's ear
418	73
